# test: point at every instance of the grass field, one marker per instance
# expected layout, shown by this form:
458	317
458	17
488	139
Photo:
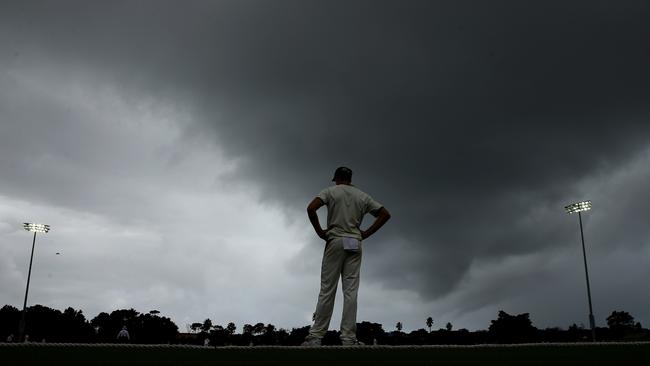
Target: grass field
546	354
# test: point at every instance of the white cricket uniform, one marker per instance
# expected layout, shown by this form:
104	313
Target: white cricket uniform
346	206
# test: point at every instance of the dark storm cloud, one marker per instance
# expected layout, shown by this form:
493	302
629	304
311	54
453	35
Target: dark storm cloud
473	122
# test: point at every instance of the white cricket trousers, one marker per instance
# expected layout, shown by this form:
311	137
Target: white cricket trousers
337	262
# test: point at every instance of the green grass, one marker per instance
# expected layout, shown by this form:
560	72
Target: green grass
618	354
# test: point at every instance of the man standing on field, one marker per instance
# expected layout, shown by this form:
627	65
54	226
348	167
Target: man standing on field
346	206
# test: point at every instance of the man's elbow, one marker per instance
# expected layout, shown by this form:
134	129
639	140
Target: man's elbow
384	212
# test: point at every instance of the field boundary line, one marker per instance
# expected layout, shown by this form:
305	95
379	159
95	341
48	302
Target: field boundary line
368	347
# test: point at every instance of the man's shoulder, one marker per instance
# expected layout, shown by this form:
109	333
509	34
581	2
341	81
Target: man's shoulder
348	189
357	190
325	191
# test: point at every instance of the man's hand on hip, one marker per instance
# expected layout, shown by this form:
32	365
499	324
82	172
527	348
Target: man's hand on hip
381	217
364	235
322	234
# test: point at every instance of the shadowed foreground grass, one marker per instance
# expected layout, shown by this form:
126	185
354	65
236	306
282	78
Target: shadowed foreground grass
582	354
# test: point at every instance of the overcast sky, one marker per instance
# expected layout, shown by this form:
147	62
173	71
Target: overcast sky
173	148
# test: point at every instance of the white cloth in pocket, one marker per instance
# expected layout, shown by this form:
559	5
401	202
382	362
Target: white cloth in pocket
351	244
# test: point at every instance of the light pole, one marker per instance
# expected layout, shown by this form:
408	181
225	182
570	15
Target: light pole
573	208
35	228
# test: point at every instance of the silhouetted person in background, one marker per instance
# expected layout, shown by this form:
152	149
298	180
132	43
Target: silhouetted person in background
346	206
123	335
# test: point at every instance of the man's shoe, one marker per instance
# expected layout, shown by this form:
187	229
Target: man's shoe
311	342
353	342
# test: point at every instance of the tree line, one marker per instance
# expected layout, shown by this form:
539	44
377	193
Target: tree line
45	324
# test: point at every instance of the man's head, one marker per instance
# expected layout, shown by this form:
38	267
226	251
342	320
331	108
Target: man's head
342	175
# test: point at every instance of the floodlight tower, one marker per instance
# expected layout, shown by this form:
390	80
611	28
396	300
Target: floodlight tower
573	208
35	228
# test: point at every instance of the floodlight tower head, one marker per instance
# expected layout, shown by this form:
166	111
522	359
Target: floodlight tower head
36	228
578	207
